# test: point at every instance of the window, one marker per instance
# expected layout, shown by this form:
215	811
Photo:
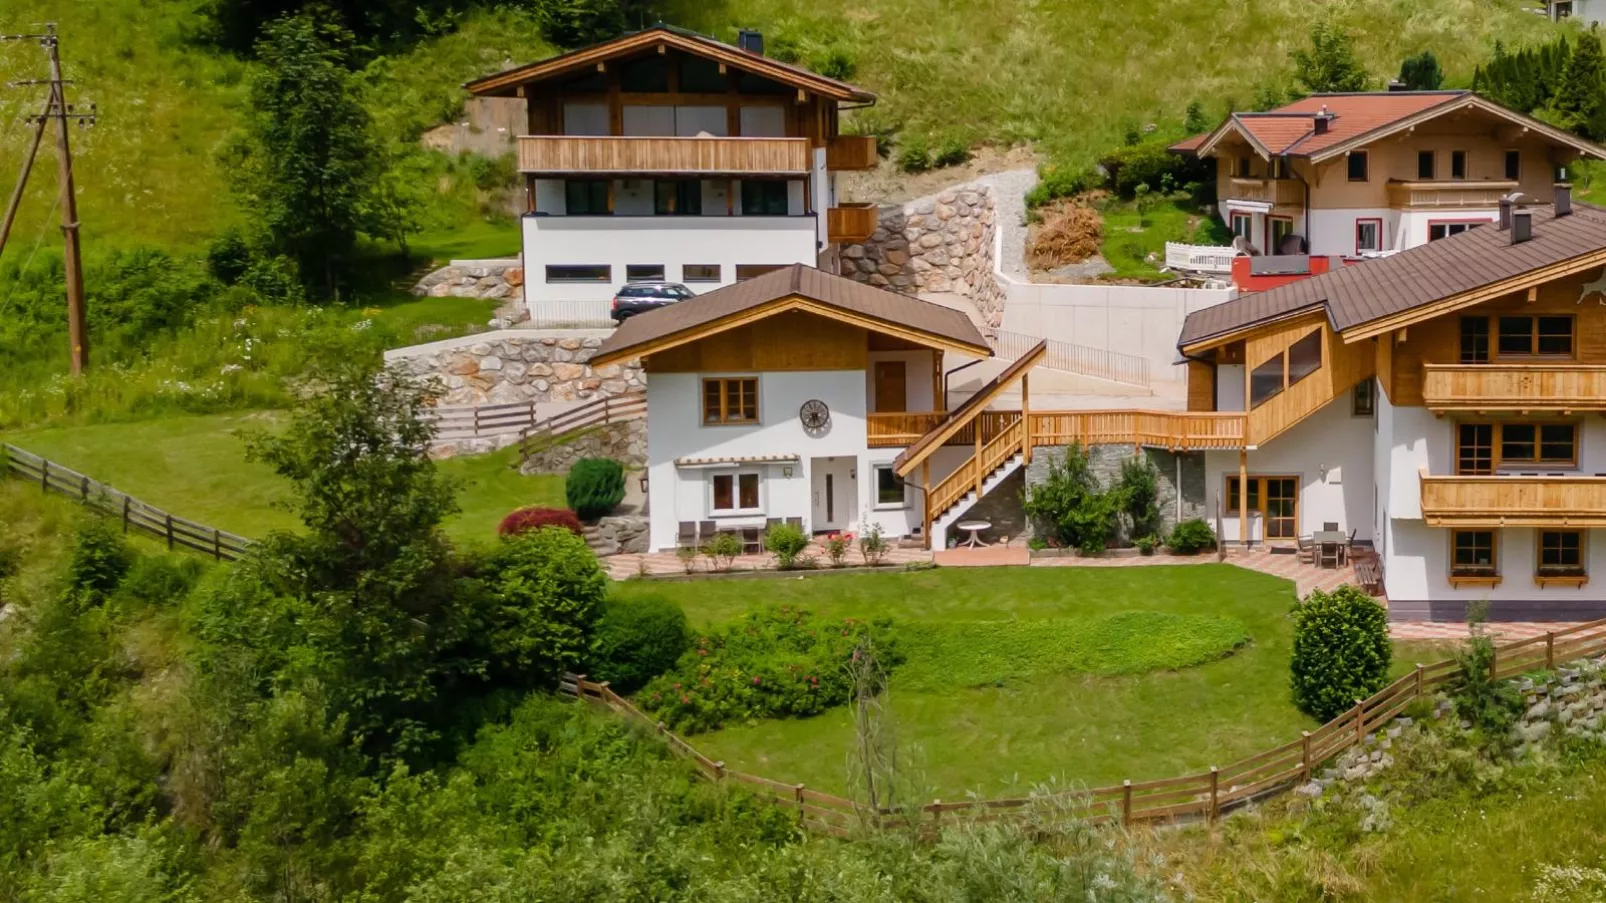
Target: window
1361	401
1279	168
1437	231
1472	554
1243	226
735	492
677	197
1243	167
1254	494
1563	9
1368	235
644	272
579	273
1558	442
1266	381
1474	340
1532	336
1458	164
754	270
1474	451
889	488
1357	166
1424	165
699	272
1304	357
1281	228
764	197
586	197
1513	165
730	401
1561	553
1275	499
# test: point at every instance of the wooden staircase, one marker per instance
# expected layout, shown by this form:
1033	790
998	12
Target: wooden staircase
958	492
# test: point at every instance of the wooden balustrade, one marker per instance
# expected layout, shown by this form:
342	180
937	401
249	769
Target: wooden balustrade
1286	192
1011	440
1513	500
1176	430
1448	194
561	154
849	152
851	224
902	428
1528	387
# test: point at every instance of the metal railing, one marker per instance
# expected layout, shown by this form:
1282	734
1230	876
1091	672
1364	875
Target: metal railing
1083	360
571	314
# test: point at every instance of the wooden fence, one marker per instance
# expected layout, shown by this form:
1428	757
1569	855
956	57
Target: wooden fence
1202	795
473	421
613	409
134	514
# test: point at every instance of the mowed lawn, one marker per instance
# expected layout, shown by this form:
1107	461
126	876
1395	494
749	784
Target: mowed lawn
195	467
1067	726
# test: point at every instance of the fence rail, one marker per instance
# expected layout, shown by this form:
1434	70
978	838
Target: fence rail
134	514
1202	795
1199	258
1084	360
613	409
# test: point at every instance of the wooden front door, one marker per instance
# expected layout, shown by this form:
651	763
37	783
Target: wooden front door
891	387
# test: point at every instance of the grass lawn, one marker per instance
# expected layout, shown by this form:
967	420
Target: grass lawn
195	467
477	240
1129	239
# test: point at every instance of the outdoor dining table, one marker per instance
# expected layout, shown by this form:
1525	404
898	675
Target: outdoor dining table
1324	538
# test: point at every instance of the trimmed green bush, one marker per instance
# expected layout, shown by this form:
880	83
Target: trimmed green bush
914	154
545	593
99	559
785	542
1341	651
1056	181
637	639
951	152
594	487
1191	536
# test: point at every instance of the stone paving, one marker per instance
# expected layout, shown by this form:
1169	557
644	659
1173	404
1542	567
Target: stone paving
1454	631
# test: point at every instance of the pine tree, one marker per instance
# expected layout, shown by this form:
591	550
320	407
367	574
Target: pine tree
1421	72
1329	65
1193	121
1577	104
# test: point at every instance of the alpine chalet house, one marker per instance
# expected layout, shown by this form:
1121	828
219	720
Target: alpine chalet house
667	155
1445	403
1344	176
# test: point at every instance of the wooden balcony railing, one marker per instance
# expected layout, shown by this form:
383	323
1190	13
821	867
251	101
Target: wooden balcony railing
1288	192
1448	194
902	428
1527	387
1511	500
1177	430
971	474
851	224
577	154
848	152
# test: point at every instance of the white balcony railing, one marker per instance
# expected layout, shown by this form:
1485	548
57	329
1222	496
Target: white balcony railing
1199	258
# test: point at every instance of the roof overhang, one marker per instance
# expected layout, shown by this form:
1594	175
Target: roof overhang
1232	125
1461	102
778	306
509	83
1243	206
1205	343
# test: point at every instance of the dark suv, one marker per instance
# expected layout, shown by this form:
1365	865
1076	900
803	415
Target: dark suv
640	297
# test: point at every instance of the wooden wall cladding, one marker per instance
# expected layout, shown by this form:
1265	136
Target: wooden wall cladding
790	341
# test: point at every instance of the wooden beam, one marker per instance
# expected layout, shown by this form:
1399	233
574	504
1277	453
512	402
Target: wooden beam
1026	417
976	426
925	500
939	400
1243	497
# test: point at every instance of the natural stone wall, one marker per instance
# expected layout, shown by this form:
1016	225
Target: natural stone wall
1105	463
1002	508
475	279
625	442
519	366
942	243
616	534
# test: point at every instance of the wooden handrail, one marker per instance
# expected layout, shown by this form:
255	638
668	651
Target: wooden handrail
1517	500
1175	430
1010	441
662	154
601	412
1561	386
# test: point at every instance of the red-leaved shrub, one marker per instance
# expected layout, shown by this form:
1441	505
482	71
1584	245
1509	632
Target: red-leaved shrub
536	518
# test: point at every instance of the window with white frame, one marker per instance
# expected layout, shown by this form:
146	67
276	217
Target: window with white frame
734	493
890	490
1368	235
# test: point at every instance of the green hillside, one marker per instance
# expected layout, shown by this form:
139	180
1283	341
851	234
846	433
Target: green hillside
1071	76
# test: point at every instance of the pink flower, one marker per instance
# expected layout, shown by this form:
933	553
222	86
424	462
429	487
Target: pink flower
677	686
685	699
755	681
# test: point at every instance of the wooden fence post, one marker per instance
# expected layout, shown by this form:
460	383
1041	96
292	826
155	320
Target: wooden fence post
1126	803
1418	680
1215	787
1304	754
719	770
1360	724
169	522
1550	649
44	474
797	792
217	544
83	489
126	501
1494	662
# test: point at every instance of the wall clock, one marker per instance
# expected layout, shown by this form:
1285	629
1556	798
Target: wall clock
814	414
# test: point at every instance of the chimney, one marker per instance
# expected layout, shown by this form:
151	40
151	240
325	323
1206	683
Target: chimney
1522	226
1396	85
750	41
1324	118
1564	198
1505	213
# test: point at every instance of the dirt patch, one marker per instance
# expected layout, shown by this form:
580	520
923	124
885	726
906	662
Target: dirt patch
886	185
1067	232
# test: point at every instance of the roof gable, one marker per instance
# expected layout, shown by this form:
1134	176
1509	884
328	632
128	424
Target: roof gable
508	82
796	287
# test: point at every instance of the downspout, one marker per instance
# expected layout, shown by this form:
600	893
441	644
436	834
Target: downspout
1290	167
951	373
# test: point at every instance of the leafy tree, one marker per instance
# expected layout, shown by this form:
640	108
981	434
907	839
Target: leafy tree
1421	72
1329	64
308	162
1526	80
238	25
1578	104
547	592
1194	121
1341	651
576	23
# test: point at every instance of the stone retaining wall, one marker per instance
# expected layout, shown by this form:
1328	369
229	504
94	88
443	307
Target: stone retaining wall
942	243
625	442
1105	462
500	278
618	534
514	365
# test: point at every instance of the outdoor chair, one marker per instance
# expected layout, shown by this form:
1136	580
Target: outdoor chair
751	544
705	530
1307	549
1330	552
687	538
1329	525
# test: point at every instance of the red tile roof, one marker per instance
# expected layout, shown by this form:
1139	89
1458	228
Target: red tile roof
1291	129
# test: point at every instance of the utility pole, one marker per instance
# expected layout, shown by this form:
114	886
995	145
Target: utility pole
57	108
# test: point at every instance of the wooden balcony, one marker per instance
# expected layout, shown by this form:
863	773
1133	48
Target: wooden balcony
1514	387
1279	192
851	224
1177	430
1514	501
1420	195
900	429
851	152
559	155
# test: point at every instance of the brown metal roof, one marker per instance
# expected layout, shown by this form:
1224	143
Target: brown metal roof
1360	293
638	335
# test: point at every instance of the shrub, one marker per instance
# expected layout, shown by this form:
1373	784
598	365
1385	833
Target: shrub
785	542
100	558
1056	181
535	518
1191	536
1147	164
951	152
837	546
594	486
873	546
636	640
688	557
1069	506
722	551
1341	651
1146	544
774	663
1138	489
545	594
159	580
914	154
1491	706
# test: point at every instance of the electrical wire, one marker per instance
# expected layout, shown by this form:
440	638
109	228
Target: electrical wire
39	240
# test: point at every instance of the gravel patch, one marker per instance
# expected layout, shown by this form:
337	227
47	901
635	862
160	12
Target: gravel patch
1009	196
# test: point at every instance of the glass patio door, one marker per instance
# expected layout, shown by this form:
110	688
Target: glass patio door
1282	508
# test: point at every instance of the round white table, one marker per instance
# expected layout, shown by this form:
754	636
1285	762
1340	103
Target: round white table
975	527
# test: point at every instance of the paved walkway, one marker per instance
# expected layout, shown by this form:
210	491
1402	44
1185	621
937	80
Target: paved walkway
659	564
1453	631
1304	576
